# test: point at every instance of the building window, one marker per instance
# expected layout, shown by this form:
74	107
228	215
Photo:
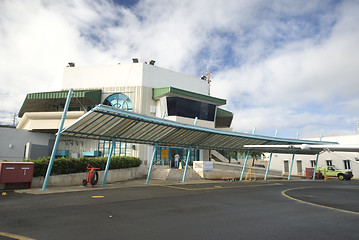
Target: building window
177	106
312	163
329	162
119	100
286	166
299	167
346	164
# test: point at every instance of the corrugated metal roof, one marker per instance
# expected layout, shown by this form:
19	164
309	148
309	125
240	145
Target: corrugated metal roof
43	101
160	92
94	95
107	123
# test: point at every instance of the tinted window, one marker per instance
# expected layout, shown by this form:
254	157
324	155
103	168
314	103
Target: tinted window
183	107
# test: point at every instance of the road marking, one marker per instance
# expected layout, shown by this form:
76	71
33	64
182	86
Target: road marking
218	187
14	236
98	196
314	204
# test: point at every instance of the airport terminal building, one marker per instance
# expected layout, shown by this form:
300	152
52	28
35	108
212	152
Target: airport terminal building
145	89
139	87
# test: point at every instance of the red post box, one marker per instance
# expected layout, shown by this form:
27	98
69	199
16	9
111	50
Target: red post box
16	174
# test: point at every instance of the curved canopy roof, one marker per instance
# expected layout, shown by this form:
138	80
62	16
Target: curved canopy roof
108	123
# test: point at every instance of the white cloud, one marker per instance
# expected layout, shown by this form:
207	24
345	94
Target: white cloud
308	85
281	64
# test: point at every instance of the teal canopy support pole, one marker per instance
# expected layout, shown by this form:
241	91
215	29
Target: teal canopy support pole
270	159
188	155
247	155
315	166
54	149
267	170
108	161
291	165
316	160
187	160
151	165
244	166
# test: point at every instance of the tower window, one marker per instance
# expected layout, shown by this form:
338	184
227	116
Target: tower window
183	107
119	100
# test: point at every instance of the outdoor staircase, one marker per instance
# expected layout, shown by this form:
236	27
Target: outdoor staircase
218	157
165	173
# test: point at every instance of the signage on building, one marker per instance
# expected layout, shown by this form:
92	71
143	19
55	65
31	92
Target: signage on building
207	166
164	153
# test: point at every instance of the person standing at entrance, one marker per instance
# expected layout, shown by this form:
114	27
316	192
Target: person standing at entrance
176	160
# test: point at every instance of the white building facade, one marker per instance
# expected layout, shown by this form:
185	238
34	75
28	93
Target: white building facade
342	160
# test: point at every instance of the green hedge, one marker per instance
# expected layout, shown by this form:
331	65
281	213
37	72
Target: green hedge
65	165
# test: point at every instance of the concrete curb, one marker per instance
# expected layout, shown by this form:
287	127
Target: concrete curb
115	175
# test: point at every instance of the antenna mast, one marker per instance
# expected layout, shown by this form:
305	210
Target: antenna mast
209	80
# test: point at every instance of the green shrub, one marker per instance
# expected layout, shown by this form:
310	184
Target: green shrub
66	165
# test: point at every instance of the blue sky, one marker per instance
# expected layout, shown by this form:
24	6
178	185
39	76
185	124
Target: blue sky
283	64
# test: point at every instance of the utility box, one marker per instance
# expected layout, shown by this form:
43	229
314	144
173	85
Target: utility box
309	172
16	174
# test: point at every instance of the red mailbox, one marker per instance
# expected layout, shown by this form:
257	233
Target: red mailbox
16	174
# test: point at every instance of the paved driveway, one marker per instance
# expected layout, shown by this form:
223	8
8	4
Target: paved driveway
214	210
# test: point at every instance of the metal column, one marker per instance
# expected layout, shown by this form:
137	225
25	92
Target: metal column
188	155
244	166
291	165
316	160
187	160
54	149
315	167
108	161
270	159
245	161
151	165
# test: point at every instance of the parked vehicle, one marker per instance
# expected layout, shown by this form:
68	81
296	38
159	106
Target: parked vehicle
332	171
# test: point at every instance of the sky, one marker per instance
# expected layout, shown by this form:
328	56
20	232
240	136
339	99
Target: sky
285	65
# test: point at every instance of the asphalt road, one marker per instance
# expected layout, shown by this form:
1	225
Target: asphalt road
219	210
